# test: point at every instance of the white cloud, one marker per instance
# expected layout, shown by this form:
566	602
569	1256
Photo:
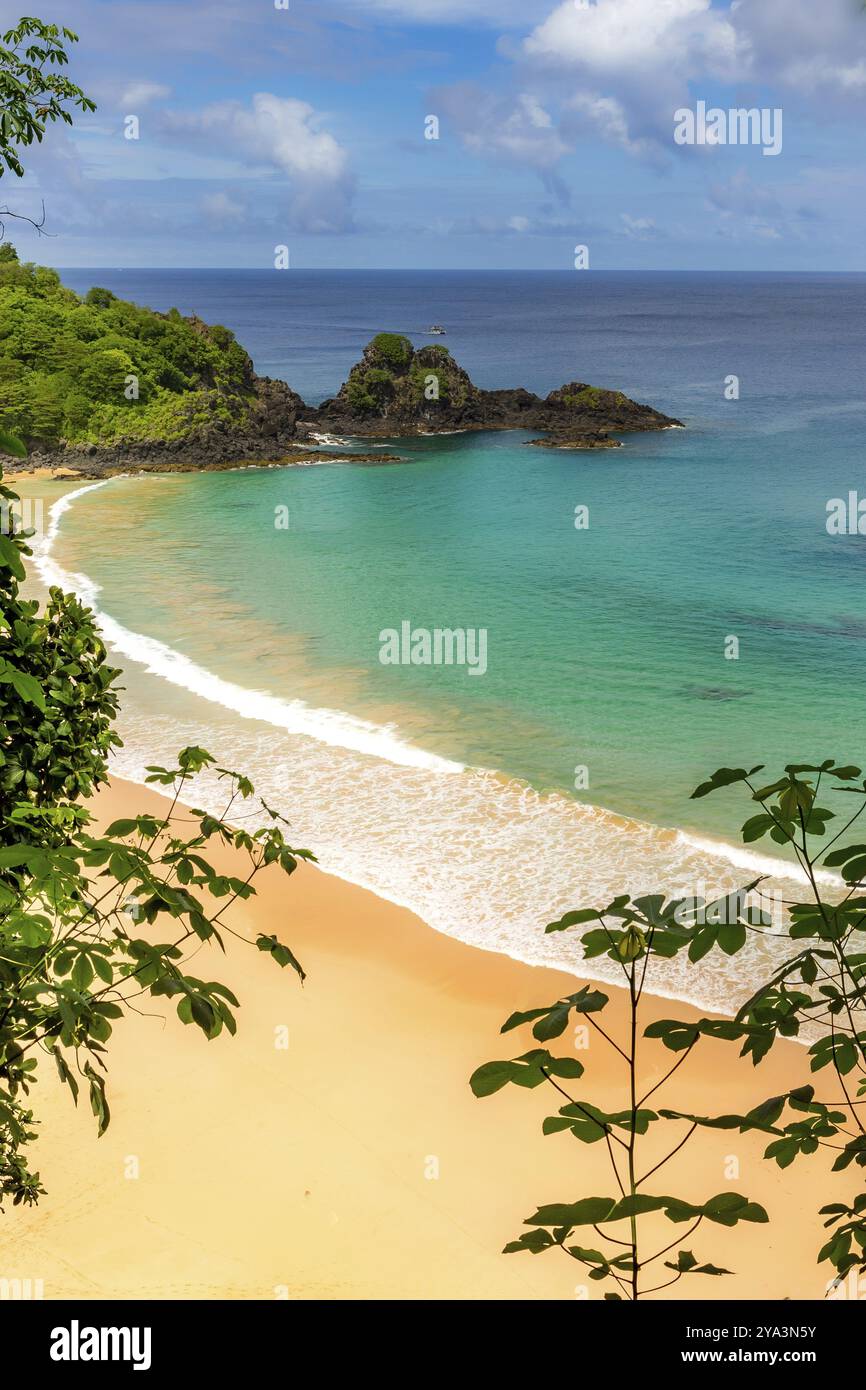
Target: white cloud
622	67
636	36
740	194
283	134
219	208
637	228
628	64
606	117
517	129
141	94
813	49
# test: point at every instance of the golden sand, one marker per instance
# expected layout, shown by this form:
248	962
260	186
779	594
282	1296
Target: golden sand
356	1163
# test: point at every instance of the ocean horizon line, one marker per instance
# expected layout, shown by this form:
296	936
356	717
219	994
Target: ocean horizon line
480	271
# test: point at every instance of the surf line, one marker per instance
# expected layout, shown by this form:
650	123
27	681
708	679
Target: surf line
331	727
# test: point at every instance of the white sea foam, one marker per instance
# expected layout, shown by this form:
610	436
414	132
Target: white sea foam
768	864
330	440
486	861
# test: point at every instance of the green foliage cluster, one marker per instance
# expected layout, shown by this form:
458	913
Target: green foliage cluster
393	349
32	91
404	379
587	399
418	376
630	932
57	696
820	987
101	370
91	921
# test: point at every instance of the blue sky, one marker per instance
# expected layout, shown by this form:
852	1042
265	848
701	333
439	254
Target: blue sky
305	126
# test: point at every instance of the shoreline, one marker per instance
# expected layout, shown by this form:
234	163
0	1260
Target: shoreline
76	462
130	466
355	735
305	1173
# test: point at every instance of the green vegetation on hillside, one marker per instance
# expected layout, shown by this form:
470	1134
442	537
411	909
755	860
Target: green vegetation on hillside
101	370
587	399
395	379
393	348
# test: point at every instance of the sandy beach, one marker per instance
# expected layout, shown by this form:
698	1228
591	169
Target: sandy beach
311	1171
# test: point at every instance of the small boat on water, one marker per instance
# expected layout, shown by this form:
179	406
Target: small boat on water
436	328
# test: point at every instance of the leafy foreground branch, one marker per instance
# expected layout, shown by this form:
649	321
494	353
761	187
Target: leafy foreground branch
822	986
92	923
33	93
819	989
630	933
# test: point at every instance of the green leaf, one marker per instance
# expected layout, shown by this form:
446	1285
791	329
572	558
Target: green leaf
533	1241
687	1264
10	443
281	954
25	685
725	777
98	1100
756	827
10	556
591	1211
727	1208
732	938
82	972
573	919
637	1205
65	1074
675	1035
121	828
523	1071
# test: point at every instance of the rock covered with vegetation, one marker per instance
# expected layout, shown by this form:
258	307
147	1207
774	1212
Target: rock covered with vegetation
395	382
396	390
82	374
98	385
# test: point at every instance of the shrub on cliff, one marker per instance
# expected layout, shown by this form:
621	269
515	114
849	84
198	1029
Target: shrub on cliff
392	348
100	369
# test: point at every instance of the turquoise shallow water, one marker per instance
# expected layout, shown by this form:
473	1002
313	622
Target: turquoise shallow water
605	646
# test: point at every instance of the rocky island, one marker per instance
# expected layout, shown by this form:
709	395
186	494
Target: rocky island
397	390
93	386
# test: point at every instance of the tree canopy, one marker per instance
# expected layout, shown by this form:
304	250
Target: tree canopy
103	370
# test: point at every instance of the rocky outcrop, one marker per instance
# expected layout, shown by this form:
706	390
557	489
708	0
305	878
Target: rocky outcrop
265	430
576	441
395	390
398	390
